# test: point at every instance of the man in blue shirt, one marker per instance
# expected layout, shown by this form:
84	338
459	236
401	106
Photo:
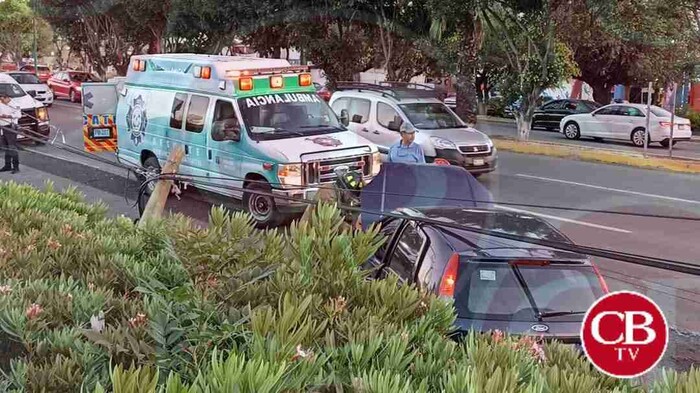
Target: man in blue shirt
406	150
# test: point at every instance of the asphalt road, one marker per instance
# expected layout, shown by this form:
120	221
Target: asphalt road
534	184
689	150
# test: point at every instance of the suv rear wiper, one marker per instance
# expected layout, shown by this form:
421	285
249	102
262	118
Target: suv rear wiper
526	289
552	314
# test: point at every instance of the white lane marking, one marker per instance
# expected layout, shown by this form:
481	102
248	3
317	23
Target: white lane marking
577	222
609	189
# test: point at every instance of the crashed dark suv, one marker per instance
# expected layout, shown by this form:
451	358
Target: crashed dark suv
495	283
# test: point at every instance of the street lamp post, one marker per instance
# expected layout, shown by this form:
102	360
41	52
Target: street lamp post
673	119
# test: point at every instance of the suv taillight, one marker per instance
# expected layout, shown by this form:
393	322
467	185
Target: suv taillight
449	278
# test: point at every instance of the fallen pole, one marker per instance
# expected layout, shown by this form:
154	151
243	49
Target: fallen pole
156	202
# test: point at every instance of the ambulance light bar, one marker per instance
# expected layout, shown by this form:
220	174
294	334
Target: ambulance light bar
231	74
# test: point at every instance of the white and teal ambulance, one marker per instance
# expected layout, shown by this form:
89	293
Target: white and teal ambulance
247	123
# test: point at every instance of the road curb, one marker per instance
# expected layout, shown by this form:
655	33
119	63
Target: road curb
491	119
597	155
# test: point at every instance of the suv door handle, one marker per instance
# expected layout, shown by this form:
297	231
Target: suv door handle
376	132
364	130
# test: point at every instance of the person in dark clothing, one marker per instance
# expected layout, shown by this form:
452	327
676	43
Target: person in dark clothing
10	114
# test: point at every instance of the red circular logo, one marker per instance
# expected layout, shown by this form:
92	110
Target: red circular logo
624	334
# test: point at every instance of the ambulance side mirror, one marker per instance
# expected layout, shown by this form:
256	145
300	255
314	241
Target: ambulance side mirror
344	117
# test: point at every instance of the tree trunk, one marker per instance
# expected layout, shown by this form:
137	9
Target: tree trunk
468	59
601	93
155	46
523	117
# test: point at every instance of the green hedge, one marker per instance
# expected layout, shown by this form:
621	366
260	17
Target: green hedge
690	114
95	304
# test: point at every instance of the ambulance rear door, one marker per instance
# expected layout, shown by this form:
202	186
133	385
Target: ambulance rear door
99	111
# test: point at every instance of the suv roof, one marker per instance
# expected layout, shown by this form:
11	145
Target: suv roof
398	91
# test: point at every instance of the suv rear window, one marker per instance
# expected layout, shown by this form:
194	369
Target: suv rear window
492	291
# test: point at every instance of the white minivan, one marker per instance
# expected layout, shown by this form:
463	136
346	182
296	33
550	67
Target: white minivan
35	116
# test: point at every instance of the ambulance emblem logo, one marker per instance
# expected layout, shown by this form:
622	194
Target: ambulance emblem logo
325	141
136	120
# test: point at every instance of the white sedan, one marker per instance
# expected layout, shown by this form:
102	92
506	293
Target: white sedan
626	122
33	86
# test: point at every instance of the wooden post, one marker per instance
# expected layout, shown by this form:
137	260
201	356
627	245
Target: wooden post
324	194
156	203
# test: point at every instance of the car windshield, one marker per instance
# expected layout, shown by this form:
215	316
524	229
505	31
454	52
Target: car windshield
493	291
660	112
11	90
431	116
287	115
26	79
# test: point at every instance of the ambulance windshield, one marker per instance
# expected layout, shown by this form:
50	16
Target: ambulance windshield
287	115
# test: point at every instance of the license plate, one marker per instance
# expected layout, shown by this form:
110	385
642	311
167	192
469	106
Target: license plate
478	162
101	133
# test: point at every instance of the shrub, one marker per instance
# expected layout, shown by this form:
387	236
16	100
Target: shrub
694	118
90	303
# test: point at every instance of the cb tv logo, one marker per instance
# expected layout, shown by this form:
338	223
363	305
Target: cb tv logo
624	334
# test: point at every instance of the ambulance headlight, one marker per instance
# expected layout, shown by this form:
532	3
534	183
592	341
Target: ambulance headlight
290	175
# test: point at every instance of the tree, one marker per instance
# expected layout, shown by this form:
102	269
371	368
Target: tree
16	20
102	30
334	35
400	31
492	66
621	42
152	18
457	33
535	59
202	26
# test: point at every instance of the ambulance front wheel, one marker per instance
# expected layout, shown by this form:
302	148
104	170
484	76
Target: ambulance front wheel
261	205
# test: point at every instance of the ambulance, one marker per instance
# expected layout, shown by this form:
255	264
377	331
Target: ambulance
252	129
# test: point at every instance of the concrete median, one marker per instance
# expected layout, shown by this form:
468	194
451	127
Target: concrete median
606	156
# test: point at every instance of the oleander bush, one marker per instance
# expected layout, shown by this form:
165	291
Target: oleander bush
95	304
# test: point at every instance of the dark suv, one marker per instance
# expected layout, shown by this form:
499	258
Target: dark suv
495	283
549	115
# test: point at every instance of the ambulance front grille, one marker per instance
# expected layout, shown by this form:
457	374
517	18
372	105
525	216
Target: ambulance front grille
322	171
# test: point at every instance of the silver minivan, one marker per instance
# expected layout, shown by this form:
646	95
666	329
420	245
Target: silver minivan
376	112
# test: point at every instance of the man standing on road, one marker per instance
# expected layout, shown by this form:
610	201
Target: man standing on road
406	150
10	114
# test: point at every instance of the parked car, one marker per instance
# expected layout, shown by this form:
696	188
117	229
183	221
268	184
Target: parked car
626	122
42	71
451	101
549	115
35	116
495	283
376	112
33	86
67	84
323	91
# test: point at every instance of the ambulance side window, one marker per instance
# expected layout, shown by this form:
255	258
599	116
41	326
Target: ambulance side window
178	110
196	113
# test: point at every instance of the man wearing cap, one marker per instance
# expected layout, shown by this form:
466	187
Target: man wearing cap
10	114
406	150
